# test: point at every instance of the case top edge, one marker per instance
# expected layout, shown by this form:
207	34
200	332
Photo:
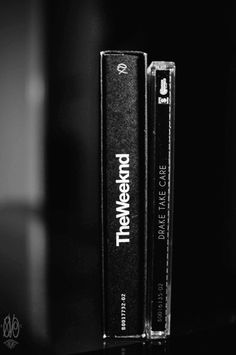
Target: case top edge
161	65
122	52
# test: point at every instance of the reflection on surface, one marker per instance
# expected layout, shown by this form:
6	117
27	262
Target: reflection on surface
37	269
140	348
49	282
219	340
23	255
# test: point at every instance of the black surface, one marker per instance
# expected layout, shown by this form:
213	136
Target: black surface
64	309
212	341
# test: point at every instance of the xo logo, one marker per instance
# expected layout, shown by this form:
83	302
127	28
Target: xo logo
122	68
11	330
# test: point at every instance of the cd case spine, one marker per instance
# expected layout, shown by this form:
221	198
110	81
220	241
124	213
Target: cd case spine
123	192
161	91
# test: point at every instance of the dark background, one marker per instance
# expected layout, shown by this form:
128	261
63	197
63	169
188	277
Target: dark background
49	162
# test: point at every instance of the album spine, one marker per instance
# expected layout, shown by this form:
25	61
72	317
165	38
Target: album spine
161	91
123	89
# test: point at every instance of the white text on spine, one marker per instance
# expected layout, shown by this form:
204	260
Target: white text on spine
122	205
